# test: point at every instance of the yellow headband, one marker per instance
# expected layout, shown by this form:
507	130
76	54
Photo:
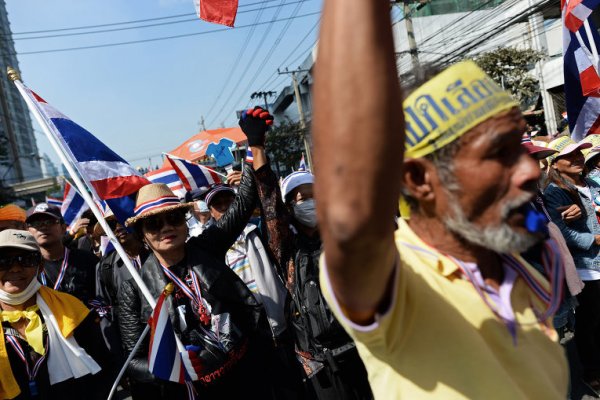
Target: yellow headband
449	105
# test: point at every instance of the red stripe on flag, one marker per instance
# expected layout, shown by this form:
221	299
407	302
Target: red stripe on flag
37	97
590	81
219	11
120	186
181	175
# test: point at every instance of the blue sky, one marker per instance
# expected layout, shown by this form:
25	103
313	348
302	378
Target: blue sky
144	98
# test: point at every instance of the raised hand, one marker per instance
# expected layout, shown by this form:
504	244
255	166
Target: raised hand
255	123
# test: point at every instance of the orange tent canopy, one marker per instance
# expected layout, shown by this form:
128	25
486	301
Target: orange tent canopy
195	147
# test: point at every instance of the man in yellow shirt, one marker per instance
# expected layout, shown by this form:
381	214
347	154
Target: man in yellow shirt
445	307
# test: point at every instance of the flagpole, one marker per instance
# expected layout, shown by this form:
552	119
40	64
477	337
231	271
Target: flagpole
14	76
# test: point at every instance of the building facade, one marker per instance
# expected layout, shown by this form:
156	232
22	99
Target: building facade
19	159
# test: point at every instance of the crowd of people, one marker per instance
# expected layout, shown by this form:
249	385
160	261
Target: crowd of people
437	253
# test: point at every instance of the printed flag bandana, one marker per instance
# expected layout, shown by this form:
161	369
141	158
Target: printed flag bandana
449	105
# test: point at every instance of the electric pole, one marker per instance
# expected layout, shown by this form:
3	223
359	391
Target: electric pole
300	113
412	42
264	95
202	123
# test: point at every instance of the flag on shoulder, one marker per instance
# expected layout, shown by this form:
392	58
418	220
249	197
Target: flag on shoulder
192	175
107	175
164	358
581	65
73	205
168	176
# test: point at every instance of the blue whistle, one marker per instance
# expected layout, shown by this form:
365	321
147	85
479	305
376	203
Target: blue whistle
535	221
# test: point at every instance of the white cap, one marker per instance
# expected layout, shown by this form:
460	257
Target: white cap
295	179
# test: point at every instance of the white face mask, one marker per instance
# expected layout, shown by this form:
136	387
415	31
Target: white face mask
305	213
21	297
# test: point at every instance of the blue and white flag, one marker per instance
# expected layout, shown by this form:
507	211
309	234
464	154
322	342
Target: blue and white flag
54	202
169	177
73	205
302	166
108	176
193	176
165	361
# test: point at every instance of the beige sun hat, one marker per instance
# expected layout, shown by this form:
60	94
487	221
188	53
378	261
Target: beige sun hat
153	199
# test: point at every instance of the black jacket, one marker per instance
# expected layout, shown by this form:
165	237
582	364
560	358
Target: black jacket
220	287
80	277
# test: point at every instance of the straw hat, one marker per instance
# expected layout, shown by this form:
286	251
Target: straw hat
565	145
155	198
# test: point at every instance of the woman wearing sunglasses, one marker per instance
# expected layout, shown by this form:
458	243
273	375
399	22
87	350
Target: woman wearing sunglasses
212	311
50	346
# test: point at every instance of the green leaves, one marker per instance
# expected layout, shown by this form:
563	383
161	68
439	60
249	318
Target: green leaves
510	68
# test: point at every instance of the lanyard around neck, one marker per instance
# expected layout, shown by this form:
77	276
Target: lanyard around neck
61	272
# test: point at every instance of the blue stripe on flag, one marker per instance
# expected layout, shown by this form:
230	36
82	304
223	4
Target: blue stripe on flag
84	145
74	209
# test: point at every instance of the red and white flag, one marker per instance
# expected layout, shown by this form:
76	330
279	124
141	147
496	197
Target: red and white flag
217	11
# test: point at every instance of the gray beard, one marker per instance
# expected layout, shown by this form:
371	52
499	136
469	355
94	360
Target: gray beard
501	239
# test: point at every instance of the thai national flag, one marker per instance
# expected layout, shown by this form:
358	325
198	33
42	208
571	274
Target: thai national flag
54	202
582	82
169	177
73	205
109	177
164	358
302	166
193	176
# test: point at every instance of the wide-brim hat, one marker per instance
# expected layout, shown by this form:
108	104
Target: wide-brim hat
594	140
592	153
565	145
153	199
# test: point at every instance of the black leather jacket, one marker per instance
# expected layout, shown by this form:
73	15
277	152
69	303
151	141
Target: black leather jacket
220	286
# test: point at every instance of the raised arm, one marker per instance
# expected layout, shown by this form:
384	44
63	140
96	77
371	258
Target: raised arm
359	140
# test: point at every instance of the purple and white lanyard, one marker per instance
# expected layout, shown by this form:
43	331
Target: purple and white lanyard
554	271
61	272
31	372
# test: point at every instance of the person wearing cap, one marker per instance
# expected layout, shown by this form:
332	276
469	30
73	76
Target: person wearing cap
569	186
214	313
12	217
50	345
67	270
443	307
328	355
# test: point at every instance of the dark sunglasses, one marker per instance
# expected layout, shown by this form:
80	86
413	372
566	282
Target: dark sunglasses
24	260
42	223
112	224
157	222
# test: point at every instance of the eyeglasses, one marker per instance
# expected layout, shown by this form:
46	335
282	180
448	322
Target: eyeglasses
157	222
24	260
43	223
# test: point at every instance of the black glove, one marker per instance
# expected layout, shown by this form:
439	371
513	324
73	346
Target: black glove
255	123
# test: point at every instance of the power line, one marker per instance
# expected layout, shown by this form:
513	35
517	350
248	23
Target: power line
235	65
159	38
258	46
128	22
140	26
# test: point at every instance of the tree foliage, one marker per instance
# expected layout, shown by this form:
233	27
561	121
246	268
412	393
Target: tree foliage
285	145
510	67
